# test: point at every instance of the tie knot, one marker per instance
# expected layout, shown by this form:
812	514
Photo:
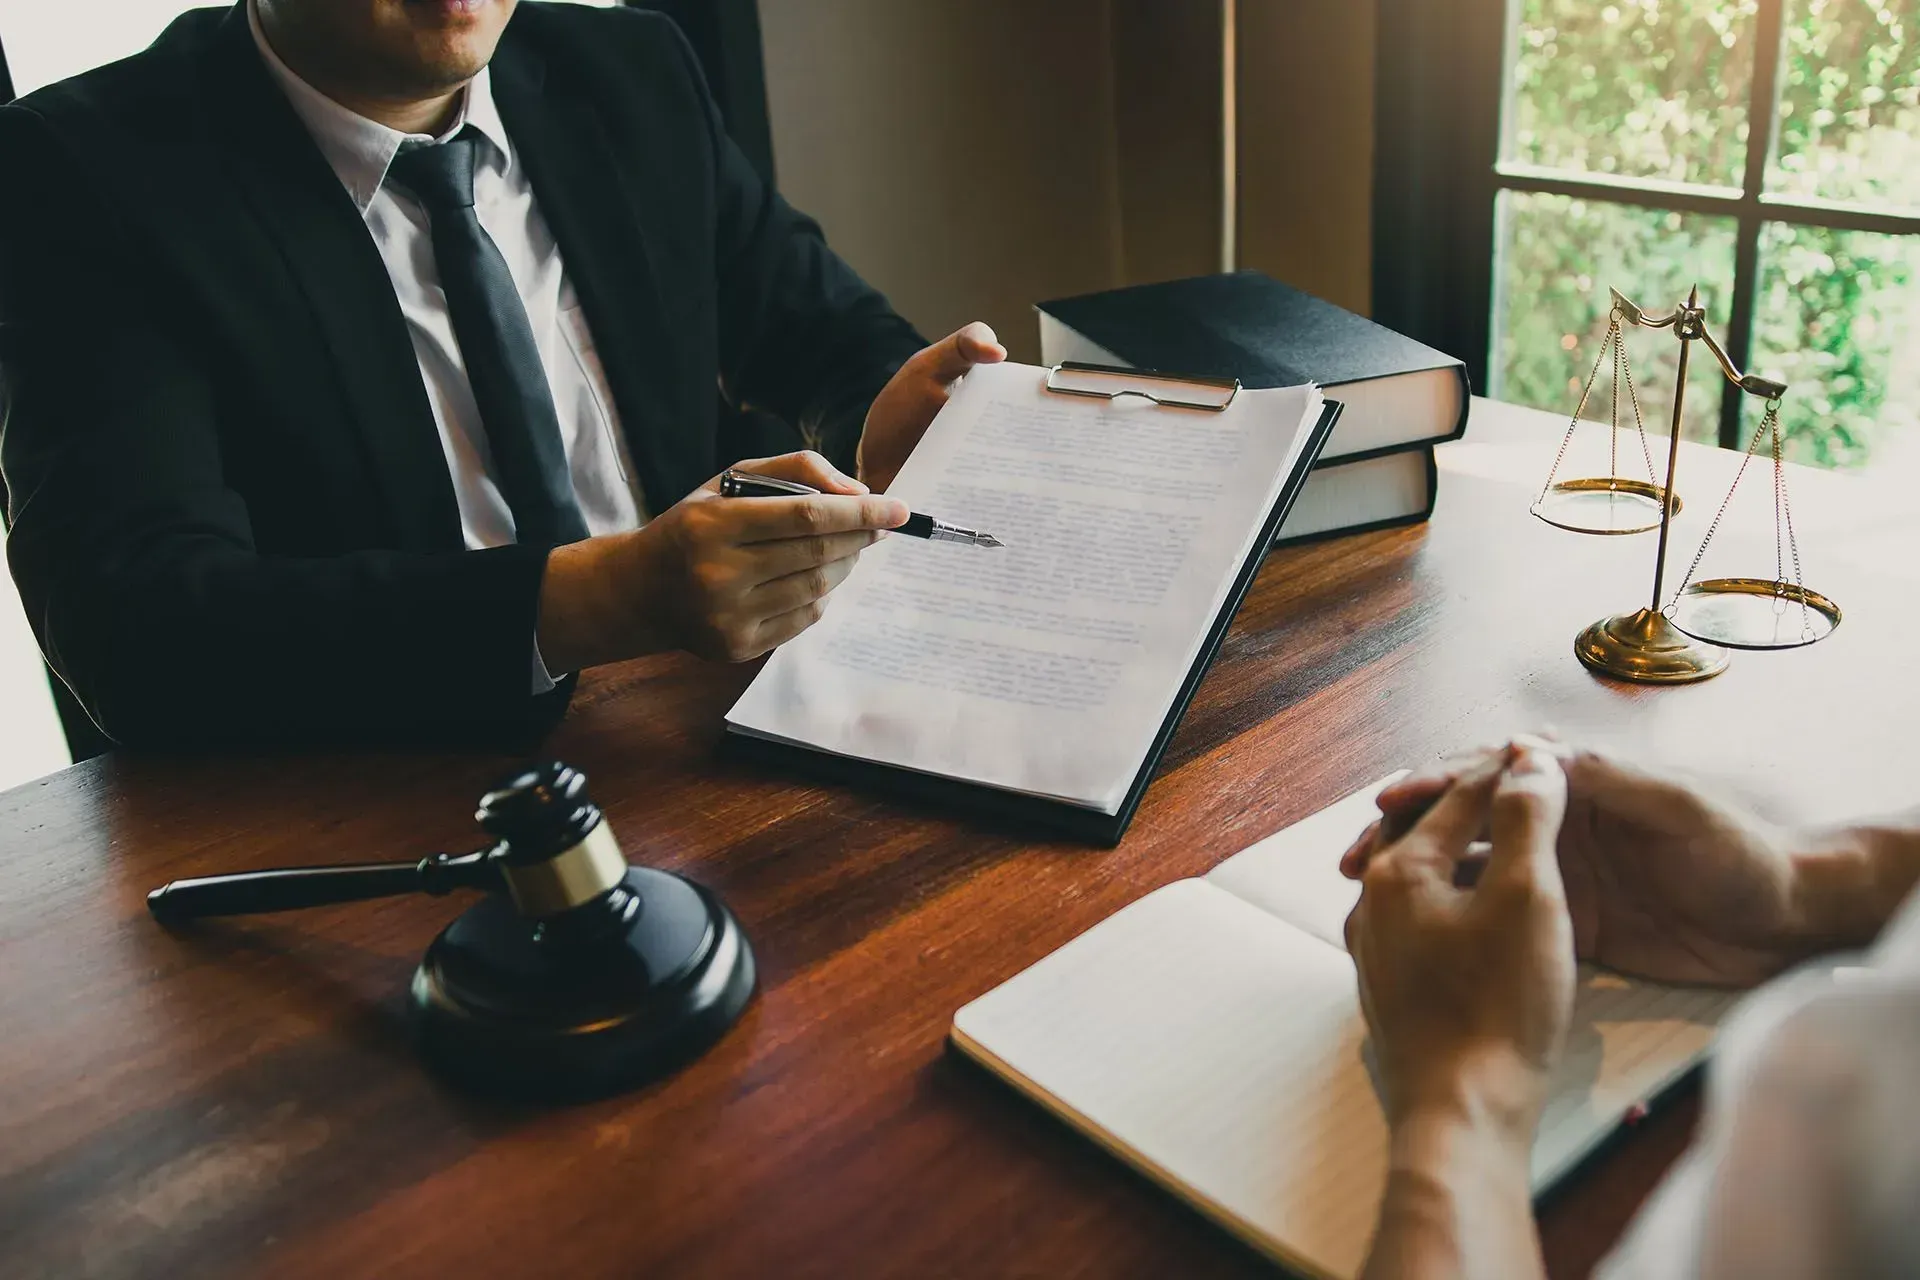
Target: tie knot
440	175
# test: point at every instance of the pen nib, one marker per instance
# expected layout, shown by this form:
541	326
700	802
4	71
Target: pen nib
987	540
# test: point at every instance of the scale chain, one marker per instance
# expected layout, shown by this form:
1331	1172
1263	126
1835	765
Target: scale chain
1783	519
1786	543
1614	345
1640	425
1613	417
1718	516
1771	420
1613	338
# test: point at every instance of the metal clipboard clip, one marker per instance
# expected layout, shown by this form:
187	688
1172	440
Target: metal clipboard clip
1107	382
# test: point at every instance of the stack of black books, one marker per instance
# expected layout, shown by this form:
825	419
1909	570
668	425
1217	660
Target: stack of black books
1402	398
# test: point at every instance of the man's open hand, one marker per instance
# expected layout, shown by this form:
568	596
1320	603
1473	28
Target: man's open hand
906	406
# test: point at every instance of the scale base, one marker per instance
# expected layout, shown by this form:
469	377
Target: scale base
571	1008
1645	648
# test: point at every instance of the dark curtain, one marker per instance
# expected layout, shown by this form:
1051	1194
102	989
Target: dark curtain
1436	138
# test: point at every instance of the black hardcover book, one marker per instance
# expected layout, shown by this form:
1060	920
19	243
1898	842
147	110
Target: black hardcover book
1399	394
1360	495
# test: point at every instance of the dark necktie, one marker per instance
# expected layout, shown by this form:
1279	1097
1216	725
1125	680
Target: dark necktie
496	342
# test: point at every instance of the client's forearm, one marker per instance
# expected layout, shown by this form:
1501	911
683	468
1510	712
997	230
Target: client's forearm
1457	1202
1849	880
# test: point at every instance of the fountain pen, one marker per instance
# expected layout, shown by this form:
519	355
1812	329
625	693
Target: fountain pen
744	484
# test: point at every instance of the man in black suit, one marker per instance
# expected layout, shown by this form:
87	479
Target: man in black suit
360	362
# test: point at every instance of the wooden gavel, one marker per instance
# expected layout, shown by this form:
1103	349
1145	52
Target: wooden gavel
577	975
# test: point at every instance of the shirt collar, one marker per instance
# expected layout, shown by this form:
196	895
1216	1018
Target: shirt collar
360	150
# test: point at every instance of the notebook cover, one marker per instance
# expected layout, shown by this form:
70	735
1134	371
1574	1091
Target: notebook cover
1036	811
1252	327
1371	526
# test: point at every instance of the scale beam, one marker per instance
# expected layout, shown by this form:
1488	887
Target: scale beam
1751	383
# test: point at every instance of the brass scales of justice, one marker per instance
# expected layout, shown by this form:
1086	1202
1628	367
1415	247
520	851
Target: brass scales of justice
1688	637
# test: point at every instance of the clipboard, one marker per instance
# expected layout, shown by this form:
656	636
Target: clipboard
1013	809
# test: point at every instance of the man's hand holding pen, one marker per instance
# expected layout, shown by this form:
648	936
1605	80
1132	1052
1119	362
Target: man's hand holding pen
732	580
722	579
742	482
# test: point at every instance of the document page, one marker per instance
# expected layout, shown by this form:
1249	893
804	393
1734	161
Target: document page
1045	666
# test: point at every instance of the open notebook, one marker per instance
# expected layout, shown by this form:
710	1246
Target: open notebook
1056	667
1210	1035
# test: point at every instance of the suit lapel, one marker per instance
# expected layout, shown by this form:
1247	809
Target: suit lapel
587	197
333	261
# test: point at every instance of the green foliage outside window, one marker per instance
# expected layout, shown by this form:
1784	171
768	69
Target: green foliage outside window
1657	90
1633	88
1849	115
1838	319
1555	286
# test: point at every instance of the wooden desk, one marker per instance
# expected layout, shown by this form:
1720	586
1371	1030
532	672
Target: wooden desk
241	1100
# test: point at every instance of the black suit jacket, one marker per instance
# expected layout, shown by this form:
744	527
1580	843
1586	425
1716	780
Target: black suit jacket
231	517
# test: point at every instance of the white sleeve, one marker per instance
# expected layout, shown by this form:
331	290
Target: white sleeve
1808	1158
542	679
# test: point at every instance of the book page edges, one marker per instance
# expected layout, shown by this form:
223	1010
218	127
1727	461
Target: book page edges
1241	1228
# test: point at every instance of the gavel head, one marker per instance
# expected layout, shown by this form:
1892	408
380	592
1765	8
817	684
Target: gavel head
597	976
556	851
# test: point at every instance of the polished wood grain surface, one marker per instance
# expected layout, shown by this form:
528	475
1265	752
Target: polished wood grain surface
239	1098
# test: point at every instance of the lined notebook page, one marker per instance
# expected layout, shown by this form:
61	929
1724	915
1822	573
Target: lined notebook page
1295	873
1219	1047
1218	1051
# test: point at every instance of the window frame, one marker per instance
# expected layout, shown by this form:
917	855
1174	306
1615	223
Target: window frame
1439	95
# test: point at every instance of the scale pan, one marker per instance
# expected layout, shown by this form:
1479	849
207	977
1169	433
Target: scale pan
1602	504
1754	613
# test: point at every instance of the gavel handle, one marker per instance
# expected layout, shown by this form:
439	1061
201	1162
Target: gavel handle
289	889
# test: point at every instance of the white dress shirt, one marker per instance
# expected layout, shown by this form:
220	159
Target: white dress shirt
360	151
1807	1162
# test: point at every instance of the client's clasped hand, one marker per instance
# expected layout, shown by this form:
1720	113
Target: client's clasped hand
1466	957
1662	880
1467	983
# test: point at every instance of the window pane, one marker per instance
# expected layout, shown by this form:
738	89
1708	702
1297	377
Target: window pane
1838	320
1850	102
1632	88
1556	257
49	42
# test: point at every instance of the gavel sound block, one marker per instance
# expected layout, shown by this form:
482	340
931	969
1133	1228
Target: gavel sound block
576	975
